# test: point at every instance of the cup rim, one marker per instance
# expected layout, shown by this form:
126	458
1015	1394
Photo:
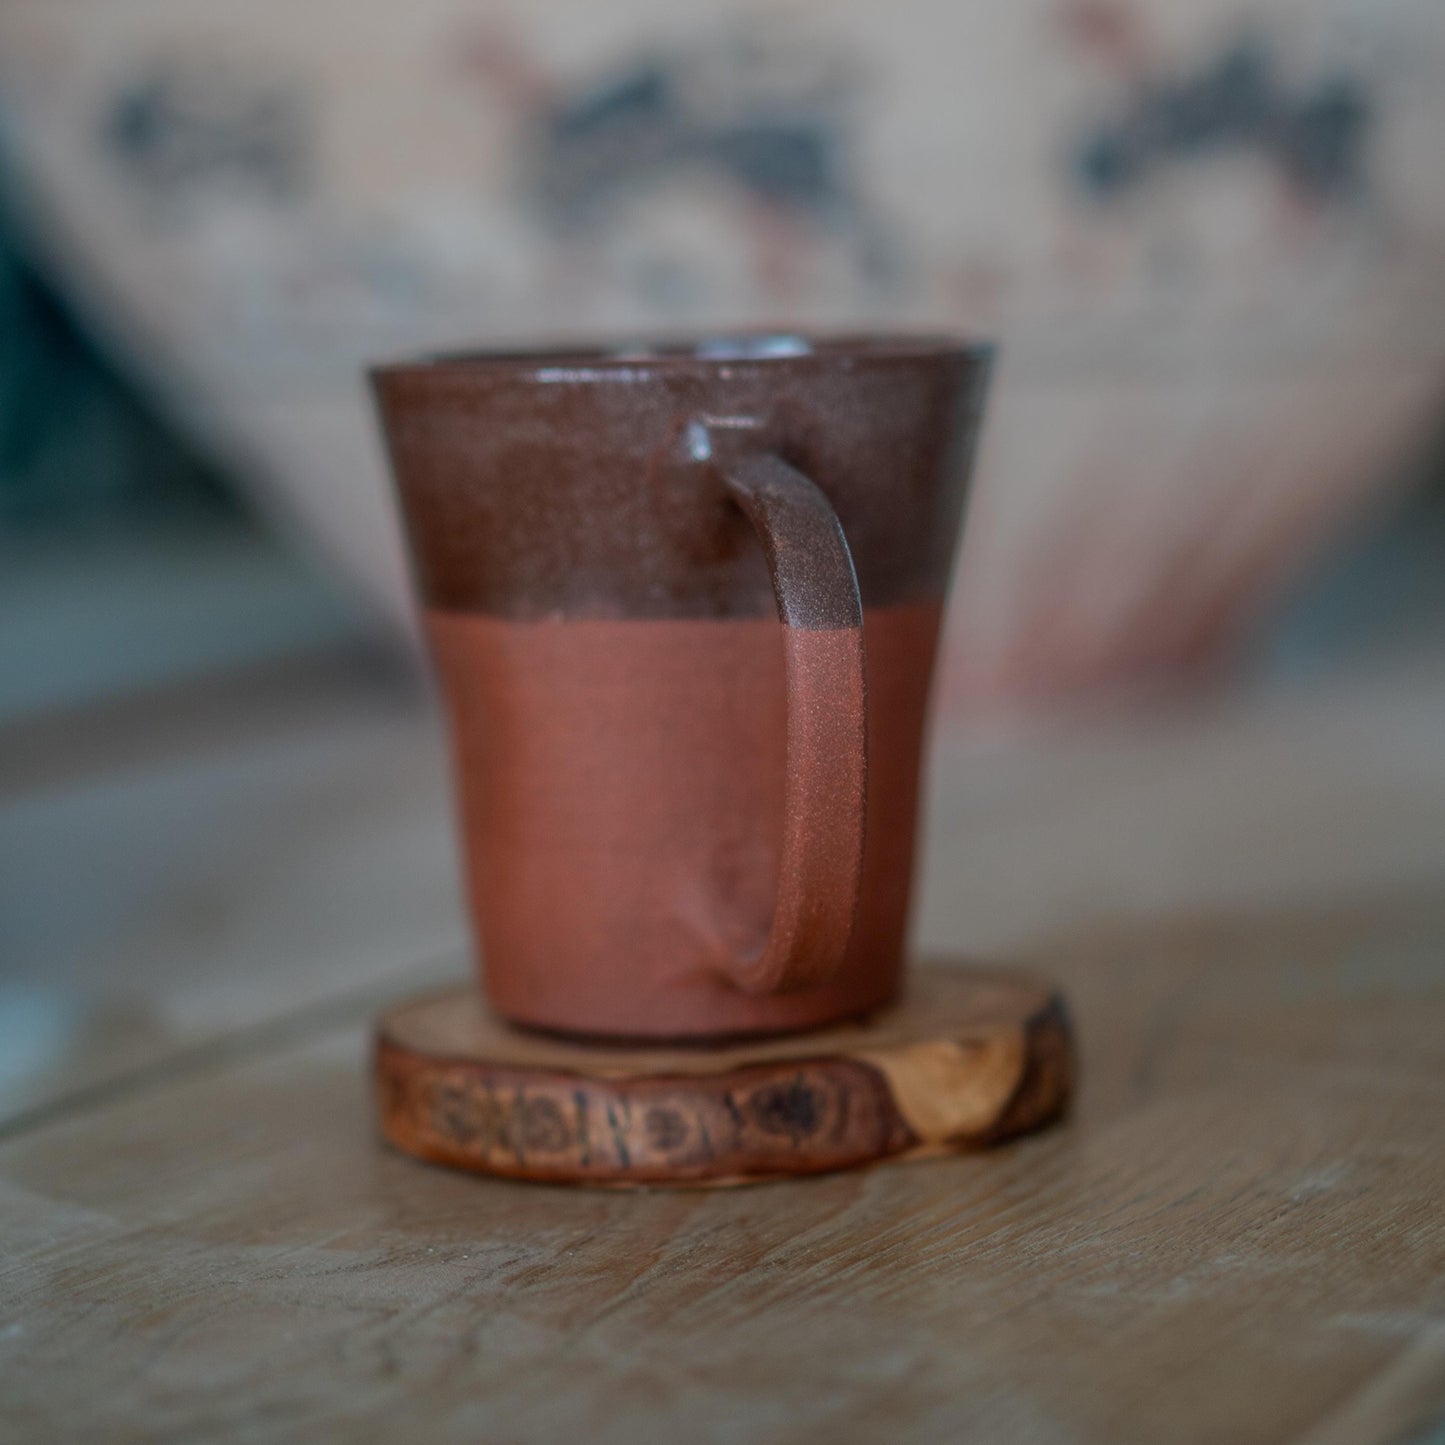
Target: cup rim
625	358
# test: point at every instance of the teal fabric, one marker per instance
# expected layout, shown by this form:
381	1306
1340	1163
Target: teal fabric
127	562
80	450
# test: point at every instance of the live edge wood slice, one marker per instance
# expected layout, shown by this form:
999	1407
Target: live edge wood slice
969	1058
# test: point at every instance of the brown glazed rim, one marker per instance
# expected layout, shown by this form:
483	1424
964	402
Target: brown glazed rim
625	359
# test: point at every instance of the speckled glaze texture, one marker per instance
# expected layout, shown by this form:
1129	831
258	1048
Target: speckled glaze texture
684	605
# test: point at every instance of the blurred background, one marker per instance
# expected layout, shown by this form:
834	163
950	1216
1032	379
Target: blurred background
1209	235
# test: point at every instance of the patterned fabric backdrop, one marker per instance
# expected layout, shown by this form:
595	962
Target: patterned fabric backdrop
1210	236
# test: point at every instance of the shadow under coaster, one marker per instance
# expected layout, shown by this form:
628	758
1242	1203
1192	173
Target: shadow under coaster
967	1059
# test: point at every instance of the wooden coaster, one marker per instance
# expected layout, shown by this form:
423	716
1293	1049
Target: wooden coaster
968	1058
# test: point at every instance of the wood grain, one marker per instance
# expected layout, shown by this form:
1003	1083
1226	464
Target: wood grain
1236	1237
969	1058
162	894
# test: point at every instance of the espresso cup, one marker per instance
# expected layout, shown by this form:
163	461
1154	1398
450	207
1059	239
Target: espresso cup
684	604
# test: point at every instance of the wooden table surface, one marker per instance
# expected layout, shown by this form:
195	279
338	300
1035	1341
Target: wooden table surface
1239	1236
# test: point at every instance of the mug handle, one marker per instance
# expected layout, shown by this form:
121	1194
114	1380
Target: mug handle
826	768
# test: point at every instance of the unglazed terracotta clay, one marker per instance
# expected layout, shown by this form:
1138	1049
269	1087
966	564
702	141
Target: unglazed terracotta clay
683	819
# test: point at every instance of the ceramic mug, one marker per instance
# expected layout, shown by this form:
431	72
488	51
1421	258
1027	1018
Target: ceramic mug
684	603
